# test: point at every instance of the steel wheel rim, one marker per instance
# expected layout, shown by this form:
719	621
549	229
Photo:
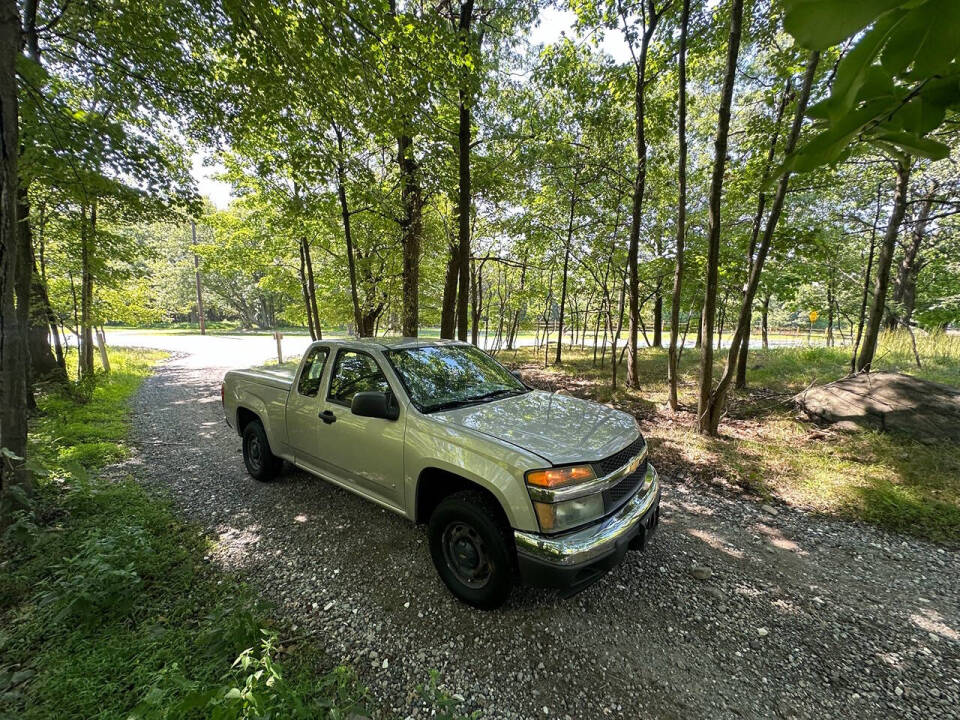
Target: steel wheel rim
254	452
466	555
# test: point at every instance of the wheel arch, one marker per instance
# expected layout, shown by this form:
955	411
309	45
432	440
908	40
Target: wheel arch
245	416
435	483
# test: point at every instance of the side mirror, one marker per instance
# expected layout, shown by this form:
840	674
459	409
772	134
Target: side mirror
518	376
375	405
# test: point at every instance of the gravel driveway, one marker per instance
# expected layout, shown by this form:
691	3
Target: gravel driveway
733	611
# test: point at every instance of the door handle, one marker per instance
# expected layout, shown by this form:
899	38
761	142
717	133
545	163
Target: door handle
328	417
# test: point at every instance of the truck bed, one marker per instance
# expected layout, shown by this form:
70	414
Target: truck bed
279	377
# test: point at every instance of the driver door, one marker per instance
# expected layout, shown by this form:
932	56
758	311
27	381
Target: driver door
361	451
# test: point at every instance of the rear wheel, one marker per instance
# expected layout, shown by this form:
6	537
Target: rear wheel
261	463
472	548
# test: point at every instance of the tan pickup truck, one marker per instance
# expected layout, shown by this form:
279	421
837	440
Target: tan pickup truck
511	482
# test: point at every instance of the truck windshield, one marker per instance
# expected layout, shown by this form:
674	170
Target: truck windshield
447	376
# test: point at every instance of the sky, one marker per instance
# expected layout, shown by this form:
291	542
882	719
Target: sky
553	23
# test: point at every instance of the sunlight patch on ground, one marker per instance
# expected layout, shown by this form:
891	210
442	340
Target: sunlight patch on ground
775	537
716	542
932	622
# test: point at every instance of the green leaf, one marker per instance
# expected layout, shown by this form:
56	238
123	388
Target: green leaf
915	145
928	39
828	145
819	24
854	70
921	115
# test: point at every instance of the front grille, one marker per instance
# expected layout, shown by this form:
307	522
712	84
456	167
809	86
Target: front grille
625	488
618	459
619	493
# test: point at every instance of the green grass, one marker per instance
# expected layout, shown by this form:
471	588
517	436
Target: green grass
109	607
884	479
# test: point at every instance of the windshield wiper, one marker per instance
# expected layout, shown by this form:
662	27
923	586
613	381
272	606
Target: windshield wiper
502	392
476	400
449	405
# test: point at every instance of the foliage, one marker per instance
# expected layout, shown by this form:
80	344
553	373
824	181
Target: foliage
897	81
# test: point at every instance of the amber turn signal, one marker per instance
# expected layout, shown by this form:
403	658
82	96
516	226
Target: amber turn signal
558	477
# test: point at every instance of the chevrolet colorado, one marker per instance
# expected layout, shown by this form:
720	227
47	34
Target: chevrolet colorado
512	482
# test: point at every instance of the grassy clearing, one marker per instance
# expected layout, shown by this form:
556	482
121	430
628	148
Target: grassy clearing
765	450
108	607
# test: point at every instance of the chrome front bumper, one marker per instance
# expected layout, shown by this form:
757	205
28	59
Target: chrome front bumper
604	538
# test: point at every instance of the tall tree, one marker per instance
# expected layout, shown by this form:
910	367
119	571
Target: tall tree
464	197
884	261
673	355
711	411
13	386
649	17
708	317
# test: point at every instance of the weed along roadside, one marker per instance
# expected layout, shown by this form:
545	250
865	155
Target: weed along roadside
110	608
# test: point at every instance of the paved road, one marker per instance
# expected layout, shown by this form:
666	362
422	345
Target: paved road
249	349
799	617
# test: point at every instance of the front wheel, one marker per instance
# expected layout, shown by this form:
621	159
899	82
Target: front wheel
472	549
261	463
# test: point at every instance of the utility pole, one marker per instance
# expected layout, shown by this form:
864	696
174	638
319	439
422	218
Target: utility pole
196	269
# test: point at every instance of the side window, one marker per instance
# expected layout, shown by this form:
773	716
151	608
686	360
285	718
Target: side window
355	372
309	383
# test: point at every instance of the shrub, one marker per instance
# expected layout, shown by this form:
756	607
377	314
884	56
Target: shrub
102	579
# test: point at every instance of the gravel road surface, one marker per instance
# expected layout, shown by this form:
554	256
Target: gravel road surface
736	610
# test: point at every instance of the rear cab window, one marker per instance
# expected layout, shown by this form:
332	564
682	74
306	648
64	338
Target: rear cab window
308	384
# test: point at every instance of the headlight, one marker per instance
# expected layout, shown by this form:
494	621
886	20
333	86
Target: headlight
555	517
560	477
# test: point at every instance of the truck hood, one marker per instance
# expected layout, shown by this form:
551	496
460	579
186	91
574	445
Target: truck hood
559	428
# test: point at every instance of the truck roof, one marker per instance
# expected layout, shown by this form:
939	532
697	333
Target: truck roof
393	342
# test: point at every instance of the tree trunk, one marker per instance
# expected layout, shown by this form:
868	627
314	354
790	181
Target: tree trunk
51	323
411	233
358	318
196	270
448	305
40	361
830	312
13	381
311	288
713	242
87	239
764	327
884	261
558	359
865	296
615	336
741	379
41	275
905	287
306	292
639	186
713	403
464	198
658	315
102	347
476	302
699	341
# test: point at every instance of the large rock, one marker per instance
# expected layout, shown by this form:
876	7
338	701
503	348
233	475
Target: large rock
887	401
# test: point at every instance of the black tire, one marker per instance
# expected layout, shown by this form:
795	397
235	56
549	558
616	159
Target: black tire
472	548
261	463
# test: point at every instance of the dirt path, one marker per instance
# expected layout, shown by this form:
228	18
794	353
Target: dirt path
799	617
